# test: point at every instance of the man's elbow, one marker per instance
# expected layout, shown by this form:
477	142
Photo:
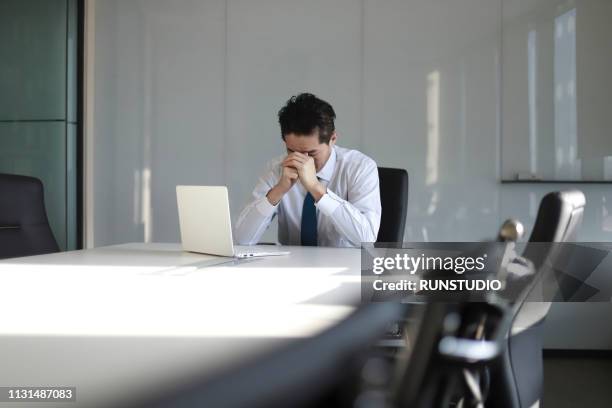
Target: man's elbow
367	235
373	230
371	236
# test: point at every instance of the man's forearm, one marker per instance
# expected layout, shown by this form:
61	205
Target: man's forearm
317	191
356	225
275	194
253	221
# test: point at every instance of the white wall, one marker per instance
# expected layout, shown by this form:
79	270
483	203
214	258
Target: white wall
187	91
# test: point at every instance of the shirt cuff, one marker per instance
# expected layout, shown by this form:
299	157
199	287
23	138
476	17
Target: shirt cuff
329	203
265	208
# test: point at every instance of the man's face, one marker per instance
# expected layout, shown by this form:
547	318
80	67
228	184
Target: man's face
310	145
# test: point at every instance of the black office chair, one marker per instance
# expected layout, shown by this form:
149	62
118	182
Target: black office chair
450	344
394	201
453	344
517	376
24	228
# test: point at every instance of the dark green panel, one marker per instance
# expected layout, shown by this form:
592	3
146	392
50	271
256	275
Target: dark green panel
71	68
33	59
39	150
71	187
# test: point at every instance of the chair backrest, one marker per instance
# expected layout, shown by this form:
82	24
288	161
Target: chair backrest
24	227
518	378
559	216
394	202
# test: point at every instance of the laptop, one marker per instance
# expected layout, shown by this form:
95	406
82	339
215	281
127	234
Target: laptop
206	226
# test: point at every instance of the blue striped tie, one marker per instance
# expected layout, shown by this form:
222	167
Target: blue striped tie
309	222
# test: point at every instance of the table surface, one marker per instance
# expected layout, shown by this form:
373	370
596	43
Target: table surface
138	318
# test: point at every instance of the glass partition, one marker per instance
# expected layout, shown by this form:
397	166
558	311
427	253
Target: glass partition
556	83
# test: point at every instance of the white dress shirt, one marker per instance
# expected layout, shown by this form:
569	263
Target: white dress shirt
347	215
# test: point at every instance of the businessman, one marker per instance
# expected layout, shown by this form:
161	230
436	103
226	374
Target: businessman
323	194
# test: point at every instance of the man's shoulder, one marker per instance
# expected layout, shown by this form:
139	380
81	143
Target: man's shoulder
352	158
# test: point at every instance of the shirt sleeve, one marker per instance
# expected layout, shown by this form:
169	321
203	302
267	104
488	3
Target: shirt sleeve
358	218
256	217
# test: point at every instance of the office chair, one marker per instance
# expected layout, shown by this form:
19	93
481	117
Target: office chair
517	376
449	348
394	201
24	227
451	344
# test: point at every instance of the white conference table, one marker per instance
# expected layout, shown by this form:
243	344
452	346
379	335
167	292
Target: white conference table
140	318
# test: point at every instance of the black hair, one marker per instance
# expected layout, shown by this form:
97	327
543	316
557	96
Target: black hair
304	114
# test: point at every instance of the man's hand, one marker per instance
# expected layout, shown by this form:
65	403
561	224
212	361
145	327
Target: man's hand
307	173
289	176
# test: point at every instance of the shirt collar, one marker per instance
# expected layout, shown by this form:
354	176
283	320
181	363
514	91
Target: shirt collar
327	171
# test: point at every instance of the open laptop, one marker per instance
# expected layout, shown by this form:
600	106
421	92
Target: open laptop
206	226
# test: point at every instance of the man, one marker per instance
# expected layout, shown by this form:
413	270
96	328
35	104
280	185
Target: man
323	194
